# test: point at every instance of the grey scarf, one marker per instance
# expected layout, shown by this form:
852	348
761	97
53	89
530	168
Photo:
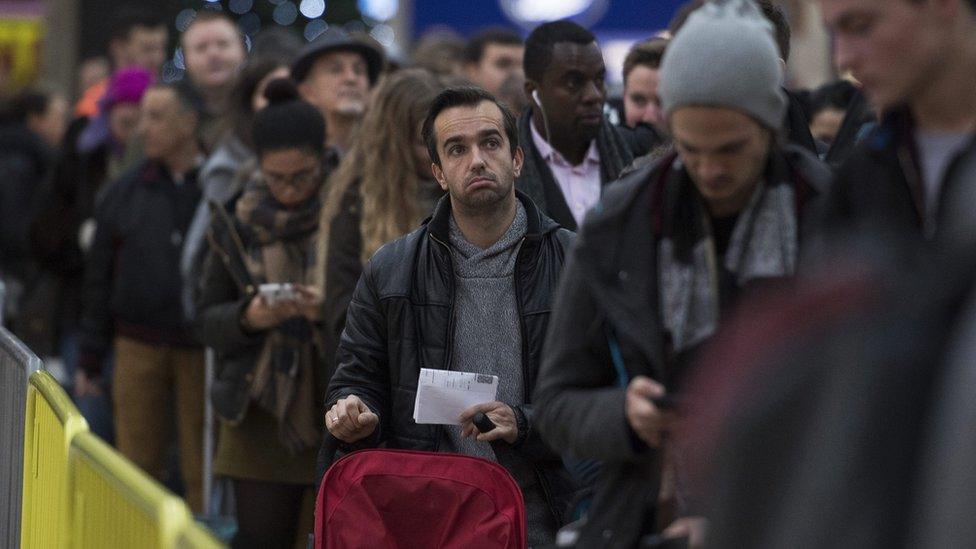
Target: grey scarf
764	244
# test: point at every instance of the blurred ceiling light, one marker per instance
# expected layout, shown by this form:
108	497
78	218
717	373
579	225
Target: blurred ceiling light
240	6
312	8
285	14
540	10
314	29
380	10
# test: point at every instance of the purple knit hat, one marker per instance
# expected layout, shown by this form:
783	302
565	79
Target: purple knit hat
126	86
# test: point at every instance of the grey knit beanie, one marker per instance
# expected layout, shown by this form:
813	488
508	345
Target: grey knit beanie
725	56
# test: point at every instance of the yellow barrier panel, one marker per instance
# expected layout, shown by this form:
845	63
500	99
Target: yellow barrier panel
52	422
115	504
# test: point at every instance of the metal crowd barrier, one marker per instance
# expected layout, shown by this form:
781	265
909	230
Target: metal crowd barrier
115	504
52	422
16	365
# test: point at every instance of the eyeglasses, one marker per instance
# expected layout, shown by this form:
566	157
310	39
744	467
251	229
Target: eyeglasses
303	178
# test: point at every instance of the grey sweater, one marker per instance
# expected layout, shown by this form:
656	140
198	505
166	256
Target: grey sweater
488	340
487	334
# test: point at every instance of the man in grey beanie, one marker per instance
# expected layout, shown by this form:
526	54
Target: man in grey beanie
659	263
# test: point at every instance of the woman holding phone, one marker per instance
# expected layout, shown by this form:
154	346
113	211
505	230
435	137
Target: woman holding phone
259	311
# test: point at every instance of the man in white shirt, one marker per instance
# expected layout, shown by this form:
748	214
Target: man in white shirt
571	150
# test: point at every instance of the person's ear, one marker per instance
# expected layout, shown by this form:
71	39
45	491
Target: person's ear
782	67
518	160
438	175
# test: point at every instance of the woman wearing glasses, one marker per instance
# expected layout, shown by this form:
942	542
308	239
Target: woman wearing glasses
260	312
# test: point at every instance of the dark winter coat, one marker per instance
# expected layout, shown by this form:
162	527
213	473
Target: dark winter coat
343	268
880	188
25	165
25	162
848	424
65	201
611	287
226	289
132	276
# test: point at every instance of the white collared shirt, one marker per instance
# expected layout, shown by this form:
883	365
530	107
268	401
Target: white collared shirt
580	184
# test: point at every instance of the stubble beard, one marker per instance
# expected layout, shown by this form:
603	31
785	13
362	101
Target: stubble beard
486	201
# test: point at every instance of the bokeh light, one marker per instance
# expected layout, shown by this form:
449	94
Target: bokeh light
384	34
312	8
381	10
184	18
171	73
240	6
250	23
314	29
285	14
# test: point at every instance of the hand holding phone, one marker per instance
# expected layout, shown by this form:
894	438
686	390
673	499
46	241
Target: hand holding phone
646	418
277	292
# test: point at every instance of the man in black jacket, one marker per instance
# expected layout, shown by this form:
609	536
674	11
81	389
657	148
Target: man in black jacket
571	150
902	178
131	294
470	291
660	262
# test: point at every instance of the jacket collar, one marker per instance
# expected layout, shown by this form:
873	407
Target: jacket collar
538	224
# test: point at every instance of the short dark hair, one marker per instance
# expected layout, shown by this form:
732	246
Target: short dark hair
128	18
186	94
464	96
647	53
475	48
287	122
773	13
539	44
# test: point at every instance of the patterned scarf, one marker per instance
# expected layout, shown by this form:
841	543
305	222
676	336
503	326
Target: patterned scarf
764	245
284	251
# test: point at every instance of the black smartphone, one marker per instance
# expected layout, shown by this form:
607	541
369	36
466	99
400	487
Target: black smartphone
666	402
483	423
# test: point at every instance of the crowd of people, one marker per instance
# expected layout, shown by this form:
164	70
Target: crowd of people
740	317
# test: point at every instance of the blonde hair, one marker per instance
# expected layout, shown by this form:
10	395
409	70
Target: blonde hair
383	162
